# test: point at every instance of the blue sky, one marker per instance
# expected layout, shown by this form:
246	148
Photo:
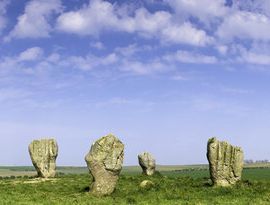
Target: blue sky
162	75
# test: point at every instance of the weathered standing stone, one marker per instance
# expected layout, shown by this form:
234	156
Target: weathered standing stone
148	163
225	162
104	162
43	154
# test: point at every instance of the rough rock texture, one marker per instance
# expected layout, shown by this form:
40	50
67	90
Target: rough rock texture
104	162
225	162
43	154
146	184
148	163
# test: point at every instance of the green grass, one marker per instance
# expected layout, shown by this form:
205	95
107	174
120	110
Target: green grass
178	186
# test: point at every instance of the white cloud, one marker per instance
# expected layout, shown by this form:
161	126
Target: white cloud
191	57
128	50
205	10
89	20
245	25
3	19
17	64
259	6
257	54
100	16
150	23
246	19
31	54
186	34
255	58
34	22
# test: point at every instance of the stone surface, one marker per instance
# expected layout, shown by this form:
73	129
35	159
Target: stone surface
104	162
43	154
146	184
225	162
147	163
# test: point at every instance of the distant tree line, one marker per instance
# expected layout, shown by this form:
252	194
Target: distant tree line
250	161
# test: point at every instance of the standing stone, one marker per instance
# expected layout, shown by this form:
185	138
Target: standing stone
225	162
104	162
148	163
146	184
43	154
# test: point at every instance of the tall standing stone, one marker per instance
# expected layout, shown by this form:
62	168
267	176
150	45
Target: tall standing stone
147	163
225	162
43	154
104	162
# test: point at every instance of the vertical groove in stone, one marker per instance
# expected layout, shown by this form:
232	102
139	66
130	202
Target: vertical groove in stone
225	162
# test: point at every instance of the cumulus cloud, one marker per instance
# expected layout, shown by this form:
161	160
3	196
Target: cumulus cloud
257	54
186	34
172	27
245	19
205	10
245	25
89	19
34	22
100	16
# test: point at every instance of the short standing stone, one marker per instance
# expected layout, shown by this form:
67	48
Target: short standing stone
146	184
104	162
148	163
225	162
43	154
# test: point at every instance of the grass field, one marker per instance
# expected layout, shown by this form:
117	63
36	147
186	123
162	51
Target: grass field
175	185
